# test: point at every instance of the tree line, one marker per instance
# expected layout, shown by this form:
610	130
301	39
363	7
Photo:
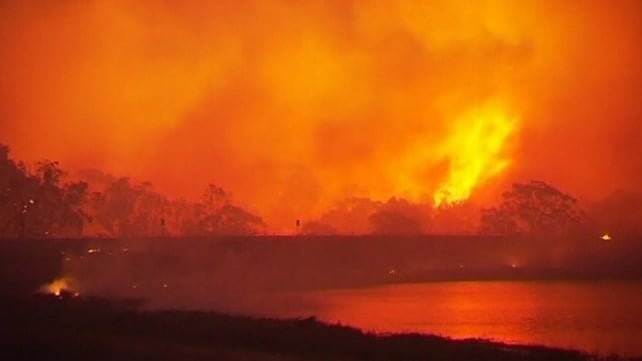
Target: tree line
39	203
526	209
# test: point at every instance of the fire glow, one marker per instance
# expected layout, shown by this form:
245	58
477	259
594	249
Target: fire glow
57	287
293	106
474	149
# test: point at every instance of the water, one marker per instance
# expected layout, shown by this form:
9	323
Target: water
601	317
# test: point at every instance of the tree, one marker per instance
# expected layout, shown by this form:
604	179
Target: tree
113	208
75	196
533	208
150	212
351	215
231	220
214	198
49	172
15	188
125	209
37	204
55	208
457	218
218	216
184	218
399	216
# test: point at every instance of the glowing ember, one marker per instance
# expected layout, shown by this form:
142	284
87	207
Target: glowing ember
606	237
56	287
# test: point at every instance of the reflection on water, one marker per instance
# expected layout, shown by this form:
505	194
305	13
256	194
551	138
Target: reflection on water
602	317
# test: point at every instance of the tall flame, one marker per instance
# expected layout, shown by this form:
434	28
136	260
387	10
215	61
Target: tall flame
293	105
475	151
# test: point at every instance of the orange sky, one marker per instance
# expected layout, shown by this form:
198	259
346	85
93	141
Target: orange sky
294	104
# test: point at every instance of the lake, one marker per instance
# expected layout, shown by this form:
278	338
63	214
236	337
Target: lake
602	317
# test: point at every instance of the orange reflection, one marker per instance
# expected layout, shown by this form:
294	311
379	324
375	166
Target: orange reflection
548	313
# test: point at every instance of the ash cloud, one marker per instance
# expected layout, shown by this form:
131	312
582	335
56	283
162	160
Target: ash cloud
319	101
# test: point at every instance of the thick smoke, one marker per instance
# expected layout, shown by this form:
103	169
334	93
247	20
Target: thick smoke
295	105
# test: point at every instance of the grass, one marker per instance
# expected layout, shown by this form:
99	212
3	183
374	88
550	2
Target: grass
48	328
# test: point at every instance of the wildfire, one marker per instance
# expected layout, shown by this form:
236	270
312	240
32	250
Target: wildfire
324	100
57	287
475	150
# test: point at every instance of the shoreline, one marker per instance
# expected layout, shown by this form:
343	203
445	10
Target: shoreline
50	327
27	265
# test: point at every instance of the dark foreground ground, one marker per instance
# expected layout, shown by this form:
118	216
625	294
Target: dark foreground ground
50	328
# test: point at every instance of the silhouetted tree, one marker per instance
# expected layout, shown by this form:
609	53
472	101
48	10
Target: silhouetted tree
399	216
76	195
231	220
184	218
49	172
150	211
48	213
533	208
214	199
114	207
38	205
131	210
351	215
217	215
457	218
15	188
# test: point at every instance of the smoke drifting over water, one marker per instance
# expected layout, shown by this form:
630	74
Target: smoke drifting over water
295	105
239	274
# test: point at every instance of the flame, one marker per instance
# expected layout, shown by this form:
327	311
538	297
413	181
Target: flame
475	151
56	287
322	100
606	237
